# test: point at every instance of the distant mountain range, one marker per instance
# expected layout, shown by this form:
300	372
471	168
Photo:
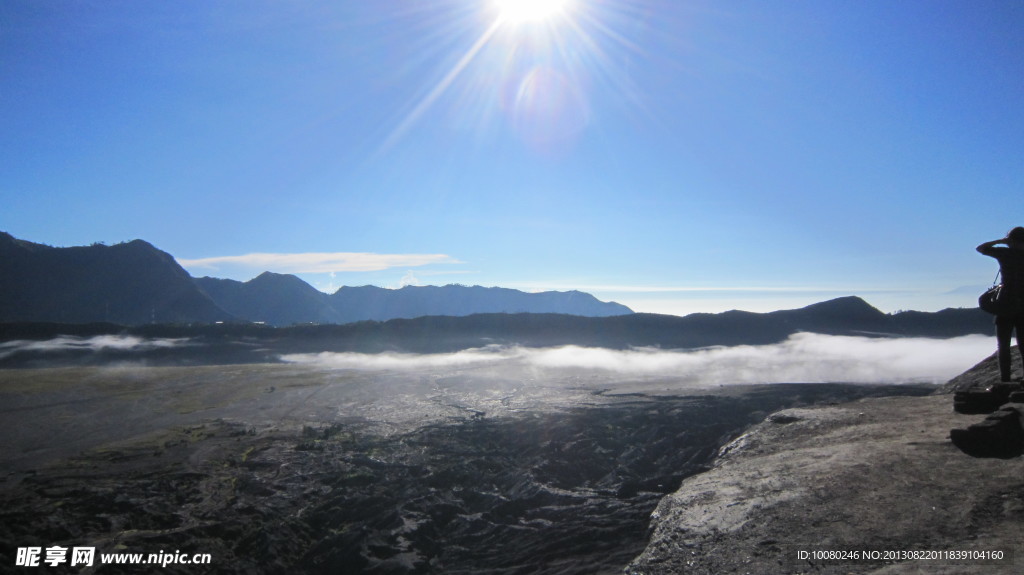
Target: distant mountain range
252	343
135	283
44	290
286	300
849	316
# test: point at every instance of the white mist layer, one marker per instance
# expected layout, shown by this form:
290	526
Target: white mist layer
95	343
803	358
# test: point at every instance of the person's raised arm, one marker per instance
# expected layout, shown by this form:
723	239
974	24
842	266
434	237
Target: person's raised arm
986	247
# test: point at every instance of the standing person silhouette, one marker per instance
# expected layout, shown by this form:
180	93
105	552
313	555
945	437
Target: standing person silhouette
1011	267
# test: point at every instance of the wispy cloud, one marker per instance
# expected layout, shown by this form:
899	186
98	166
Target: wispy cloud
409	279
319	262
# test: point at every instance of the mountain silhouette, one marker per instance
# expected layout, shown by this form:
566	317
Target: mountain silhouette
380	304
135	283
283	300
275	299
851	316
128	283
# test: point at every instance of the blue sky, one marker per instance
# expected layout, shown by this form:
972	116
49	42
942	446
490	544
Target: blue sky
673	156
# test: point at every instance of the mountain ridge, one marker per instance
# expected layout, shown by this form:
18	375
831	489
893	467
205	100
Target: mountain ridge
275	299
382	304
128	283
134	283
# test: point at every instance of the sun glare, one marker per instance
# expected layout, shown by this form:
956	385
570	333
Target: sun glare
522	11
530	72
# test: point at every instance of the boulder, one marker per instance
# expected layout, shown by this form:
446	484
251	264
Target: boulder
1001	434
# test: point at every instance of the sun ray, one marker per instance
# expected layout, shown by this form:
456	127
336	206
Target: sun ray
440	88
523	11
534	70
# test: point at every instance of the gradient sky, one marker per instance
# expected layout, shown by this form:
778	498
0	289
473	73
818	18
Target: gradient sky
674	156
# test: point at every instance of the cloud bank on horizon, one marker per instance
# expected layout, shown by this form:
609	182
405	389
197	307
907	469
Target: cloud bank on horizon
803	358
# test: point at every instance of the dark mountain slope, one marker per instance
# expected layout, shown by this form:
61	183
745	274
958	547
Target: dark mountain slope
129	283
276	299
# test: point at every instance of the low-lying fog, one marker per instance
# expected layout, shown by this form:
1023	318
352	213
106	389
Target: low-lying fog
803	358
95	343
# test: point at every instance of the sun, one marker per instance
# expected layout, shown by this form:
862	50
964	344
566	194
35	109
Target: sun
523	11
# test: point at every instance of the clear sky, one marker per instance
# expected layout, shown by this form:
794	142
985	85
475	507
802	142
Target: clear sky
675	156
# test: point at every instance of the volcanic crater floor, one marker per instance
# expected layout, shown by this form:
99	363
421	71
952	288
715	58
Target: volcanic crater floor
272	468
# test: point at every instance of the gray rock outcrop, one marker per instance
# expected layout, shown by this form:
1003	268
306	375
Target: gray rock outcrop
875	475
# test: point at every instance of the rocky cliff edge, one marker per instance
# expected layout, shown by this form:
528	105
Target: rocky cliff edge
875	486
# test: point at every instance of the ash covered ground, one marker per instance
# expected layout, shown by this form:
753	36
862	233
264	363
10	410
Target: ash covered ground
431	468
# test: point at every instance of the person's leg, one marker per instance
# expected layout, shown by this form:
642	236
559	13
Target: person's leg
1019	328
1004	329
